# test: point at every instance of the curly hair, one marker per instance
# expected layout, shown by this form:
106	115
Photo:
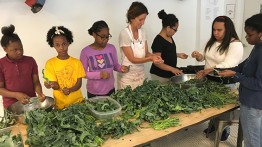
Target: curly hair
59	31
8	35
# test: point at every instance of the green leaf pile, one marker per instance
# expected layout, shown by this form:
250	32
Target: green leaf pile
70	127
7	139
154	101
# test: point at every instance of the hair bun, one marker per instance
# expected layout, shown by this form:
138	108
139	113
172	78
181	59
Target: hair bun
162	14
8	30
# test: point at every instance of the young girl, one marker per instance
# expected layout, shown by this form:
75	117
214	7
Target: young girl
99	60
18	73
64	73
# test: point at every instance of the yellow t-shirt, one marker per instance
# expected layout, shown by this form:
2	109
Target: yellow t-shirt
65	72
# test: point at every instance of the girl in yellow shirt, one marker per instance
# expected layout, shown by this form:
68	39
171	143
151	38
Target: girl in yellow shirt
63	73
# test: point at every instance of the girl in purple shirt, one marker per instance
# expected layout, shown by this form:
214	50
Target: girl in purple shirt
99	60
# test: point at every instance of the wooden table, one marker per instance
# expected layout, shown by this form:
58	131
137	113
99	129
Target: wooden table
186	120
148	134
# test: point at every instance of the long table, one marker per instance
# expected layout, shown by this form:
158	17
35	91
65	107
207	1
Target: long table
145	135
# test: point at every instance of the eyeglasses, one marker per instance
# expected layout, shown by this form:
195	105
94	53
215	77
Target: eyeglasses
174	29
105	37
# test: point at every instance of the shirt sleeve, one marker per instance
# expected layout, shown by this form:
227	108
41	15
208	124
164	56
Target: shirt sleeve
124	39
157	45
233	56
50	72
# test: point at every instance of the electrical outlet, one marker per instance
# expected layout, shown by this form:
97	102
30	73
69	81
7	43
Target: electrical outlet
230	10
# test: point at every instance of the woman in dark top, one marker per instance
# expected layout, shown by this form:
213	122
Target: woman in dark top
165	47
249	75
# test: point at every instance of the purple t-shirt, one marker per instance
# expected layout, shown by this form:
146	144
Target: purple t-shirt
18	76
95	61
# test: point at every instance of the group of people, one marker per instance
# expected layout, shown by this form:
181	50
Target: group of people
19	78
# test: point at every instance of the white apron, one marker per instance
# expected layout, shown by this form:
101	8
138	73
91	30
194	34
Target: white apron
136	75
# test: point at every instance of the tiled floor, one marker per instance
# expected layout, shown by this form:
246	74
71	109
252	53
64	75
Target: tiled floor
194	137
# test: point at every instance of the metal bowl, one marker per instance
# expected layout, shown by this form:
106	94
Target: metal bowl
181	79
17	109
34	103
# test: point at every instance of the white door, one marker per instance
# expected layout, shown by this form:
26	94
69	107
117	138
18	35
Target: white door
251	7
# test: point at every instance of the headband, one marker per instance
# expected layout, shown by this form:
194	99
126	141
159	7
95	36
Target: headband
58	32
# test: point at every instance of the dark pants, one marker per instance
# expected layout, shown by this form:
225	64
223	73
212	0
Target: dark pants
90	95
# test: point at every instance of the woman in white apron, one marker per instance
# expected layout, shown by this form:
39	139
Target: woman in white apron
134	48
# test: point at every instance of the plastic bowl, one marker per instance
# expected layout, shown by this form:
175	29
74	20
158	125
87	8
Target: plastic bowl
105	115
181	79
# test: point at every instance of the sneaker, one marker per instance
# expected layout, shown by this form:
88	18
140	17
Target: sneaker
224	135
212	129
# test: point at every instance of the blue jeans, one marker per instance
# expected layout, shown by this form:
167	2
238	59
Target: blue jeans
251	121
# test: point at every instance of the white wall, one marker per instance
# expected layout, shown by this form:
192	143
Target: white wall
210	9
79	15
250	9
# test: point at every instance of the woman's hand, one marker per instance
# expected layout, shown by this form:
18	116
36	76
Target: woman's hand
227	73
125	69
182	55
197	55
202	73
176	71
157	59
